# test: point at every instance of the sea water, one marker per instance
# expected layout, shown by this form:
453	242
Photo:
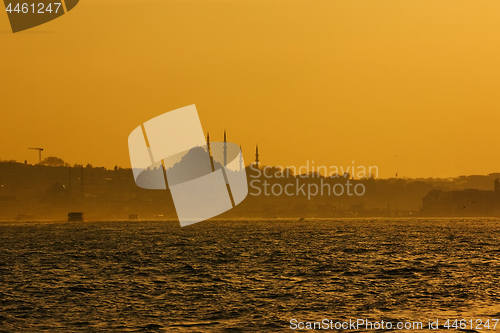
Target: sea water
255	275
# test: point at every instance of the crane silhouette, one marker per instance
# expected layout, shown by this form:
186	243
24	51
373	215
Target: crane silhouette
39	154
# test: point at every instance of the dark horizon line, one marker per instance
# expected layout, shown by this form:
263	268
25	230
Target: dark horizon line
248	166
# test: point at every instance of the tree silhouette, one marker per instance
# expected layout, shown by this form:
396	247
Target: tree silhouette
54	162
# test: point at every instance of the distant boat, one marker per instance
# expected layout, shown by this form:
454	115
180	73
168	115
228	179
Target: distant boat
133	217
76	217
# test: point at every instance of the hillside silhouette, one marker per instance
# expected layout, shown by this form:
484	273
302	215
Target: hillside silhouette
51	192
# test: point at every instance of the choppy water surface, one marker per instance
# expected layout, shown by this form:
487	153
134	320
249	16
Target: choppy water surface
244	275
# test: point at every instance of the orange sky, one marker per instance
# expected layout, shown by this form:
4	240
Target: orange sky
330	81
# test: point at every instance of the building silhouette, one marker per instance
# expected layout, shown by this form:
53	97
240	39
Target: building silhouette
467	202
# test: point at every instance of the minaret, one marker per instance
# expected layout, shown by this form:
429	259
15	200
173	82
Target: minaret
209	153
225	149
257	155
208	144
241	159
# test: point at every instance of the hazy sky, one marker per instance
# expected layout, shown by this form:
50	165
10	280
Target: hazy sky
409	86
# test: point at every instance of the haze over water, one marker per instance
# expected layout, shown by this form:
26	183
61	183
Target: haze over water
244	275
